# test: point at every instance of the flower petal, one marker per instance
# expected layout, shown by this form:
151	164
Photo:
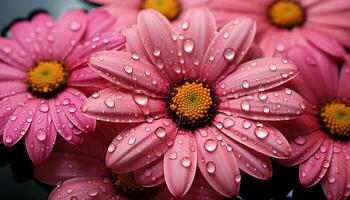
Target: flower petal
217	164
99	21
9	73
255	135
253	76
88	188
249	160
123	70
344	82
12	54
134	43
160	46
10	88
85	77
71	101
273	105
105	41
118	106
70	27
63	166
335	182
313	169
138	146
228	48
151	175
180	164
197	35
19	122
41	136
303	147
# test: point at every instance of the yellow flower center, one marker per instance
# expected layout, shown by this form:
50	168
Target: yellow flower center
335	118
126	184
286	14
191	103
47	79
169	8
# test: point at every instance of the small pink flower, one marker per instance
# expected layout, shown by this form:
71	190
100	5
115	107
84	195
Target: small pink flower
126	11
43	73
85	176
320	139
321	24
192	103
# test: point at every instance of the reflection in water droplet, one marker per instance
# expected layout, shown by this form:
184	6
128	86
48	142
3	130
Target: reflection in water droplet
210	145
186	161
109	102
211	167
229	54
261	133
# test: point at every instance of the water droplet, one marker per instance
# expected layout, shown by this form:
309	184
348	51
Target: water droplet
273	68
185	25
109	102
44	108
13	117
229	54
72	108
92	192
135	56
128	69
210	145
186	161
69	190
245	84
160	132
8	139
262	96
140	99
66	101
211	167
156	52
246	124
111	148
95	95
266	109
75	26
245	105
331	179
238	178
228	122
261	133
188	45
40	135
132	140
300	140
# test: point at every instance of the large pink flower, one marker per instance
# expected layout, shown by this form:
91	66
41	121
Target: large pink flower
320	138
85	176
126	11
322	24
192	102
43	73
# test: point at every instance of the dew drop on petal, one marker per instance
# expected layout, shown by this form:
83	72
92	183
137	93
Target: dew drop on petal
211	167
132	140
92	192
300	140
246	124
185	25
111	148
245	105
238	178
228	122
229	54
173	156
245	84
160	132
75	26
261	133
188	45
210	145
44	108
109	102
128	69
186	161
140	99
40	135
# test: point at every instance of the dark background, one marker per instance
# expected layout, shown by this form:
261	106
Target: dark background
16	180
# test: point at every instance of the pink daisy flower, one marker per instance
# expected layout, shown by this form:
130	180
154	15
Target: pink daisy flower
85	176
321	24
43	73
126	11
192	103
320	139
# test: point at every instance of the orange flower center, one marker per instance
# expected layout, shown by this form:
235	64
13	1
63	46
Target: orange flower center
286	14
169	8
335	118
47	79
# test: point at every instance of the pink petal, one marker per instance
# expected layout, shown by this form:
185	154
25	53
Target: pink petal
126	16
303	147
199	33
70	27
343	36
180	164
134	43
327	44
273	105
250	161
257	75
151	175
159	44
217	164
105	41
299	126
255	135
228	48
10	88
123	70
98	22
313	169
323	7
335	183
344	82
312	64
41	136
12	54
118	106
85	77
193	4
19	122
89	188
140	145
63	166
71	101
9	73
